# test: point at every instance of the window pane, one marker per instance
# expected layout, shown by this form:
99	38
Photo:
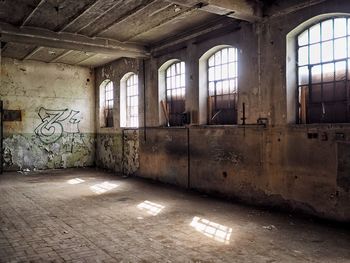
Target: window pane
182	84
211	88
327	51
303	75
225	71
316	74
315	34
340	70
303	38
225	87
340	48
211	61
303	56
231	70
328	72
217	72
231	54
224	55
339	27
218	58
218	88
211	74
315	54
183	67
327	29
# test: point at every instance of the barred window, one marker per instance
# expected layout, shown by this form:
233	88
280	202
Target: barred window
175	93
132	101
108	104
222	86
323	57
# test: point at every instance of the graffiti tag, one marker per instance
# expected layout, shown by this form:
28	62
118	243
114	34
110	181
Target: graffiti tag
55	122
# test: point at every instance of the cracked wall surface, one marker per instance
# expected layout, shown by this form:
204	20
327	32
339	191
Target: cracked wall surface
57	107
114	151
295	166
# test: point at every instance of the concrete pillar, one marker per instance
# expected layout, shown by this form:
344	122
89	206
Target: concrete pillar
192	103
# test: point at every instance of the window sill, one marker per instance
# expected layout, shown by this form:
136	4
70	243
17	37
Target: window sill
320	125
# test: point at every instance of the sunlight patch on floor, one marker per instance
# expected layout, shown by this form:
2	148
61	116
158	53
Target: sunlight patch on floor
211	229
150	207
75	181
103	187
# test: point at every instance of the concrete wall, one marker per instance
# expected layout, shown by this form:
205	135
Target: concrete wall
57	106
114	151
303	167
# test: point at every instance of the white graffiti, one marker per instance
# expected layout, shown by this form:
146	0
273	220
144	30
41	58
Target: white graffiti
55	122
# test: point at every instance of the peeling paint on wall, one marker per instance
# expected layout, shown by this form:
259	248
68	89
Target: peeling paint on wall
112	155
27	151
57	105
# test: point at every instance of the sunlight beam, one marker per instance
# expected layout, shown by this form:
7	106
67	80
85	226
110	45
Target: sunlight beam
211	229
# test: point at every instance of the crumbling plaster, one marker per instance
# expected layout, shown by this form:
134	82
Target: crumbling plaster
114	151
303	167
57	107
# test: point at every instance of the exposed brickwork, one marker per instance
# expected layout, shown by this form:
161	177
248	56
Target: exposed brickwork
45	218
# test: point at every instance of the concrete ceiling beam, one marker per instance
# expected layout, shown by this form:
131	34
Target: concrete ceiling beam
26	20
32	53
248	10
135	11
46	38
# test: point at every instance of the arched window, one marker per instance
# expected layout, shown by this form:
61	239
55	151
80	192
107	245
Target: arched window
175	93
132	101
222	86
129	100
106	103
323	57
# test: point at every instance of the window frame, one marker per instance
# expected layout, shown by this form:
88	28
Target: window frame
107	108
175	118
306	119
221	80
128	98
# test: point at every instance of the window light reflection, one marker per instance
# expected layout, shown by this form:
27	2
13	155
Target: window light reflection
103	187
151	208
211	229
75	181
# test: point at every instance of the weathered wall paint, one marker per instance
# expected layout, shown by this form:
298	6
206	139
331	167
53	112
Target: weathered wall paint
305	167
57	103
113	151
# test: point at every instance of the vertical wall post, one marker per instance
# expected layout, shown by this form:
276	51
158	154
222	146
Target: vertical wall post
1	136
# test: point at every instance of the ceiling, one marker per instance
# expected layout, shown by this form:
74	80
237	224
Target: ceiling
95	32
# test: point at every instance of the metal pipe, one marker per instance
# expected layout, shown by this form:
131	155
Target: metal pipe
123	133
144	99
188	160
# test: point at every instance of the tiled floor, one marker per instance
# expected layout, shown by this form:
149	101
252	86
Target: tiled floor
85	215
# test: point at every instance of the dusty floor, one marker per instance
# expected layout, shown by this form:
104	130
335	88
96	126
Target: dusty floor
84	215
